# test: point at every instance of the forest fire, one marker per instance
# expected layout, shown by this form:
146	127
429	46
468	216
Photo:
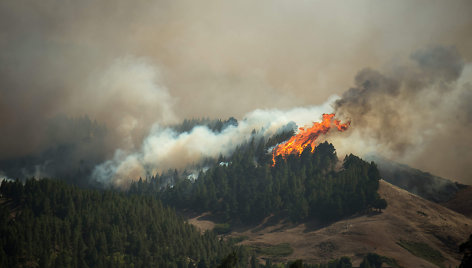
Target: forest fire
308	136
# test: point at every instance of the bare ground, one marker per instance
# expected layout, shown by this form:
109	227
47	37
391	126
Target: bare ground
407	217
201	222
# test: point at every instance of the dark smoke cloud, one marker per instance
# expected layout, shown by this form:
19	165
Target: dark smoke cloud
130	64
442	64
417	112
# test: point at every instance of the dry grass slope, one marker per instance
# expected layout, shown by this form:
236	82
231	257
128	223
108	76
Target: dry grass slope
461	202
407	218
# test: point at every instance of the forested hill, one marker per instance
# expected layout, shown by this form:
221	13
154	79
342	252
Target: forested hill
215	125
46	223
246	188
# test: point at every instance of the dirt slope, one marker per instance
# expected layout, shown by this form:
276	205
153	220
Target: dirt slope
461	202
408	218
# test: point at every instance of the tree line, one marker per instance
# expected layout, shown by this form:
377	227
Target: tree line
47	223
246	188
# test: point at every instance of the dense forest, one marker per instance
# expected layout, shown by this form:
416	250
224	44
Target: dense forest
47	223
215	125
246	188
233	261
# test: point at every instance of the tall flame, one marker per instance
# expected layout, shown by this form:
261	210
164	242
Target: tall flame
307	136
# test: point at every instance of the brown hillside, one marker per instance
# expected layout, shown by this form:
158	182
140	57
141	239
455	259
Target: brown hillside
461	202
407	218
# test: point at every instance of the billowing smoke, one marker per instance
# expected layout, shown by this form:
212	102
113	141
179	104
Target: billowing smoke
79	79
165	148
130	96
127	95
416	112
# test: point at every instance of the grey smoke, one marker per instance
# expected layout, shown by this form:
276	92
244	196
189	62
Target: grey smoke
164	148
439	63
416	112
128	64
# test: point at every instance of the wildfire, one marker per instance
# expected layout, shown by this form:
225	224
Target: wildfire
307	136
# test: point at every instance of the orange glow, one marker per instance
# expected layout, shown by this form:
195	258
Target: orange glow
307	136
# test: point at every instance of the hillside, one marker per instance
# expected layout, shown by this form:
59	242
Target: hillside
421	183
461	201
408	219
249	186
453	195
47	223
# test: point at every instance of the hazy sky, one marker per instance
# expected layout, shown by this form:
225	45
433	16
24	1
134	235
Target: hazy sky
132	63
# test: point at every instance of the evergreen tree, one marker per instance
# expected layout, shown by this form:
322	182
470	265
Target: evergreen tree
296	264
371	260
47	223
231	261
466	249
247	188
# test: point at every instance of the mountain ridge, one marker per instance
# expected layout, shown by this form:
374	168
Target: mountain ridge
408	218
424	184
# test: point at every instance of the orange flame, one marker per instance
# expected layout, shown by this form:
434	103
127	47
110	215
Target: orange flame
307	136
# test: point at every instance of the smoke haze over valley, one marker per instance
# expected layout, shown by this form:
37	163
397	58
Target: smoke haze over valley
235	134
103	82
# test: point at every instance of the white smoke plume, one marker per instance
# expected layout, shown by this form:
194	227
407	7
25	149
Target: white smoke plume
130	96
218	59
164	148
416	112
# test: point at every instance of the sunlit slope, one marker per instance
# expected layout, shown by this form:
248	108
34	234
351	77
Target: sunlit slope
407	219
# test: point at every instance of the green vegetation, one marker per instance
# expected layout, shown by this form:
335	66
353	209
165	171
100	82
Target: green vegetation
215	125
422	213
283	249
234	261
343	262
246	187
466	249
231	261
391	262
237	239
46	223
373	260
423	251
222	228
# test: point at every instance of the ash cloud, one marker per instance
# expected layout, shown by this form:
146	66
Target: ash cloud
128	64
415	113
439	64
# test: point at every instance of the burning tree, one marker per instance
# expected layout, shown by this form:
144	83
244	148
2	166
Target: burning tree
307	137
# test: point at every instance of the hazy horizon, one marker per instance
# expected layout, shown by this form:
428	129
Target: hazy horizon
400	71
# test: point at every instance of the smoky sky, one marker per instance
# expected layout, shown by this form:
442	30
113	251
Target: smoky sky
389	106
415	112
130	64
